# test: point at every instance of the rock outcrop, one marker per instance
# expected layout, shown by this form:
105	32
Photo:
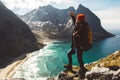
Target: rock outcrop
103	73
56	24
16	36
107	68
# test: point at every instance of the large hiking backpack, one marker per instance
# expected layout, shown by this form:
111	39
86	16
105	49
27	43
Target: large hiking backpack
89	40
90	36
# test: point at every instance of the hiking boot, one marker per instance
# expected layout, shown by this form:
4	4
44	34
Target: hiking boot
82	72
84	69
68	67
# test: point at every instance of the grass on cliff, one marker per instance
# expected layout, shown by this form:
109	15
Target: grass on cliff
110	60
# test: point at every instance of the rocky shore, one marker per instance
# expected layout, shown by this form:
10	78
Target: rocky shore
7	72
107	68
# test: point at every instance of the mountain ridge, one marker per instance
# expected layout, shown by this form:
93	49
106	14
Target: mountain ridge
59	23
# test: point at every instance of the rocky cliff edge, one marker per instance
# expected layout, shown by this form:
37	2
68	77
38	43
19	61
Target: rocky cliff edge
107	68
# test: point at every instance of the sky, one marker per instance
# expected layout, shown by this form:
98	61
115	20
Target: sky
107	10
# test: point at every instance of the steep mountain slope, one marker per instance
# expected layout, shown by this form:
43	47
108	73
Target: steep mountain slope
94	22
16	36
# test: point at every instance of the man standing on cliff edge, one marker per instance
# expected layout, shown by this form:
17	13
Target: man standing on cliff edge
81	40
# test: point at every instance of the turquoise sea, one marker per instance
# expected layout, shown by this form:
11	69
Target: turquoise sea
49	61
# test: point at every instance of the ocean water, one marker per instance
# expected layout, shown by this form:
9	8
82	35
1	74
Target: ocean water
49	61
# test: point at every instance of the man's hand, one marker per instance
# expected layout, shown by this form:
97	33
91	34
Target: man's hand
72	13
74	33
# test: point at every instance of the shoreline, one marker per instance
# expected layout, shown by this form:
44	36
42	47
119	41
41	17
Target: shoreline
9	71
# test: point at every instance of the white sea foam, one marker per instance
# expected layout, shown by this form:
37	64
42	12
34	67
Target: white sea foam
38	66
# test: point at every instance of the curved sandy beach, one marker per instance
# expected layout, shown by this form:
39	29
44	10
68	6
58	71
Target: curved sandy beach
9	71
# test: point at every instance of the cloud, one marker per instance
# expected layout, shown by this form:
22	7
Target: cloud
110	18
60	3
24	6
109	15
32	4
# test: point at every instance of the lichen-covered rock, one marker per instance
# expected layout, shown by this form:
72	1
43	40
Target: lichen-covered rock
102	73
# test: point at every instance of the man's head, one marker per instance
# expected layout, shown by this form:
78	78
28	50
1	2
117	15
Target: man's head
80	18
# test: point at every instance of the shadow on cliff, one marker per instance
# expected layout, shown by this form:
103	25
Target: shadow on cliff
16	38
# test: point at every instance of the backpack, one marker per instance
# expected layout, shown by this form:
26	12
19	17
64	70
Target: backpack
88	45
90	36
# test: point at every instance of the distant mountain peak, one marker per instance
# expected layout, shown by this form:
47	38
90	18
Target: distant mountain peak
71	8
81	7
47	7
61	16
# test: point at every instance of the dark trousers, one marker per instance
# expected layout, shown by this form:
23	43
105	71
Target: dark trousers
79	56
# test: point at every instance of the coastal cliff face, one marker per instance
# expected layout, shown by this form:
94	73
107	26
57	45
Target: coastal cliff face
16	36
107	68
56	23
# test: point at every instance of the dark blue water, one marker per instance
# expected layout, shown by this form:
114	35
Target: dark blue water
49	61
100	49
